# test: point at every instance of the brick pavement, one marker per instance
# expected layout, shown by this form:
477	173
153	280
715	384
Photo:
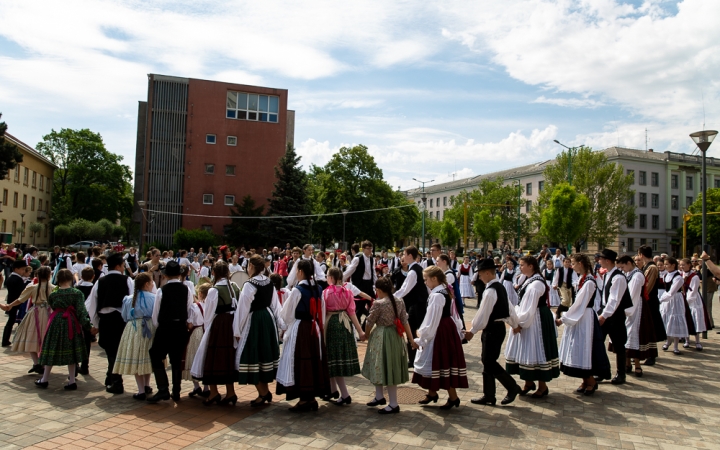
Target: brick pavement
674	405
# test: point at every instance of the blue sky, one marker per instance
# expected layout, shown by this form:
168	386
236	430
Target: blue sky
432	88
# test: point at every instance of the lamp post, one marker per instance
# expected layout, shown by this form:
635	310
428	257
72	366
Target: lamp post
344	213
703	139
22	229
572	151
424	203
141	204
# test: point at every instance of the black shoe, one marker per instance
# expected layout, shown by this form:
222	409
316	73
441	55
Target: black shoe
70	387
649	362
162	394
541	394
196	391
148	390
484	400
524	392
639	372
392	410
510	397
377	402
581	389
228	400
41	384
83	371
343	401
330	397
205	394
263	398
628	369
215	399
451	403
116	388
429	399
307	406
618	380
6	344
589	391
36	368
140	397
175	396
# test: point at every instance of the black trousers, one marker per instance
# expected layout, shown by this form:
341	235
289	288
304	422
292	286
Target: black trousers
416	315
614	327
170	340
492	339
111	328
12	316
87	335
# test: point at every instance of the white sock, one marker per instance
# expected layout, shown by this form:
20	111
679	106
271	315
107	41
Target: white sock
697	338
341	384
34	357
392	393
71	373
140	380
333	386
675	342
46	374
379	395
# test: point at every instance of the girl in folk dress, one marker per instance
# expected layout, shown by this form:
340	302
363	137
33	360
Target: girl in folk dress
277	281
256	325
508	280
466	276
386	358
549	273
342	352
303	369
64	343
214	362
531	349
133	356
31	331
673	311
194	342
582	350
693	299
440	361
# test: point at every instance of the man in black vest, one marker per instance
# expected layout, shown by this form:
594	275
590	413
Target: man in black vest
415	295
104	307
564	281
172	312
612	320
361	272
435	251
494	311
15	284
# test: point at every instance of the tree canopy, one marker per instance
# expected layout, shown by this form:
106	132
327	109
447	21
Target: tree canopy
564	219
10	155
694	226
246	233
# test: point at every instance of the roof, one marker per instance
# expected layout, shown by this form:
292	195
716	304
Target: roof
29	149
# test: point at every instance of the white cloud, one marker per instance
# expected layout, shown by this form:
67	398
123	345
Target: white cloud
569	102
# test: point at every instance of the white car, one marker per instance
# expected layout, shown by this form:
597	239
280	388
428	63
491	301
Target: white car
82	246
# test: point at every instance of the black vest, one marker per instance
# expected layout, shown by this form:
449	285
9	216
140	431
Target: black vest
542	300
549	275
591	303
224	304
447	308
86	290
16	285
508	276
357	276
501	310
429	262
112	288
563	279
173	304
398	278
418	295
625	300
263	296
302	310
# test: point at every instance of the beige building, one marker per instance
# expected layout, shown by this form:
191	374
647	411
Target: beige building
26	197
665	184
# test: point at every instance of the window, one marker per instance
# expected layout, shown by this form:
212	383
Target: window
25	176
42	181
688	201
689	182
674	222
5	197
717	183
643	220
674	181
630	223
631	244
40	204
654	179
210	139
431	203
541	186
47	188
230	170
631	200
34	180
32	204
654	245
207	228
229	200
24	201
14	226
632	173
528	189
210	168
655	222
643	200
17	173
3	226
528	206
15	200
643	178
437	215
643	241
437	202
244	106
444	201
655	200
674	202
207	199
232	140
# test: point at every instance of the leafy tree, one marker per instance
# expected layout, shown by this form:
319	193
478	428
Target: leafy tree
448	233
289	198
95	231
62	231
566	215
184	238
245	232
90	182
35	228
10	155
107	227
352	180
486	228
118	231
606	187
79	228
694	226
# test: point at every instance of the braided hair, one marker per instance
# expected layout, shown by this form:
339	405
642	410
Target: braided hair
43	274
141	280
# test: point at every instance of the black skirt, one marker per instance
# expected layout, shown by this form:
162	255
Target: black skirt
219	365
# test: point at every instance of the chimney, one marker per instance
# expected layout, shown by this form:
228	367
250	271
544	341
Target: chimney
650	150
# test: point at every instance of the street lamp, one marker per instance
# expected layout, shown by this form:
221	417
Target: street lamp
424	203
572	151
344	213
141	204
703	139
22	230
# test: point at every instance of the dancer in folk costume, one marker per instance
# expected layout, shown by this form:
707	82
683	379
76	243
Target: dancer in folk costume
362	275
564	283
676	325
548	273
531	349
196	335
342	352
133	356
319	274
256	324
64	343
653	282
386	358
466	276
582	350
303	369
414	293
15	285
508	278
694	311
440	361
640	331
31	331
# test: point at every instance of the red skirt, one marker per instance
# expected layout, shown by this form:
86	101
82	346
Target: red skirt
448	360
311	369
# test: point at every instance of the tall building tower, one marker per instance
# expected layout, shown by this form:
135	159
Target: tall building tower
201	147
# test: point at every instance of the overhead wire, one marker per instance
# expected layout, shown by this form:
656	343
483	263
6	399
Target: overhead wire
276	217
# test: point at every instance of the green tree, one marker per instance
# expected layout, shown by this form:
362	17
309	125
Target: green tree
95	231
62	232
606	187
118	231
90	181
246	233
694	226
448	233
184	238
10	155
35	228
107	227
486	227
289	198
79	228
565	217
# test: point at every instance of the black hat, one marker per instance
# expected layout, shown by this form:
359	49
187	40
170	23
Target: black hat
172	269
608	254
19	264
486	264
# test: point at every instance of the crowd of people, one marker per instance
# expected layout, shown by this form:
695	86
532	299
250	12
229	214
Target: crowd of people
299	315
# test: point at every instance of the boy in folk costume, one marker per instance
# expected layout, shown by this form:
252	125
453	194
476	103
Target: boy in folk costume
361	272
564	281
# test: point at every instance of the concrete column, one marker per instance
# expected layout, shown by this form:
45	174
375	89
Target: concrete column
668	197
683	184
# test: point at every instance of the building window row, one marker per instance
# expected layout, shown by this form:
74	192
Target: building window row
209	199
210	170
255	107
30	178
212	139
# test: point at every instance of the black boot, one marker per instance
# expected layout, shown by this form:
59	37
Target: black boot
162	394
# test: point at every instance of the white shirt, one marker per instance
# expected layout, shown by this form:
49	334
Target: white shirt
91	301
558	260
489	298
242	312
693	296
287	313
292	276
205	272
556	278
635	286
573	315
527	308
158	300
409	283
428	328
619	284
78	267
234	268
369	268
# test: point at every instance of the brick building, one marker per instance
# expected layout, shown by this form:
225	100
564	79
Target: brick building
202	146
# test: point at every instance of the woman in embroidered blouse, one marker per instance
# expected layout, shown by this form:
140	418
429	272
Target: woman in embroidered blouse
508	277
691	287
673	312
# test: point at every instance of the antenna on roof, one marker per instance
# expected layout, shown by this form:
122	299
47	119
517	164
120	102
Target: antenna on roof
645	138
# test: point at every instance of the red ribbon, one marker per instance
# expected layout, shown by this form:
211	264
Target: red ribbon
70	315
315	312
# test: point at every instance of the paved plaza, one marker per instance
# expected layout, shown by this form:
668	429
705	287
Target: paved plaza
675	405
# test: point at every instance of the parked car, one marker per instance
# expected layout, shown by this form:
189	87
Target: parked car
81	246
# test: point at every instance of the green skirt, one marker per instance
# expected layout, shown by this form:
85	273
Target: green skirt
58	349
342	355
386	359
259	359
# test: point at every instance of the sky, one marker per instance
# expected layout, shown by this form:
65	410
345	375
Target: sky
437	90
